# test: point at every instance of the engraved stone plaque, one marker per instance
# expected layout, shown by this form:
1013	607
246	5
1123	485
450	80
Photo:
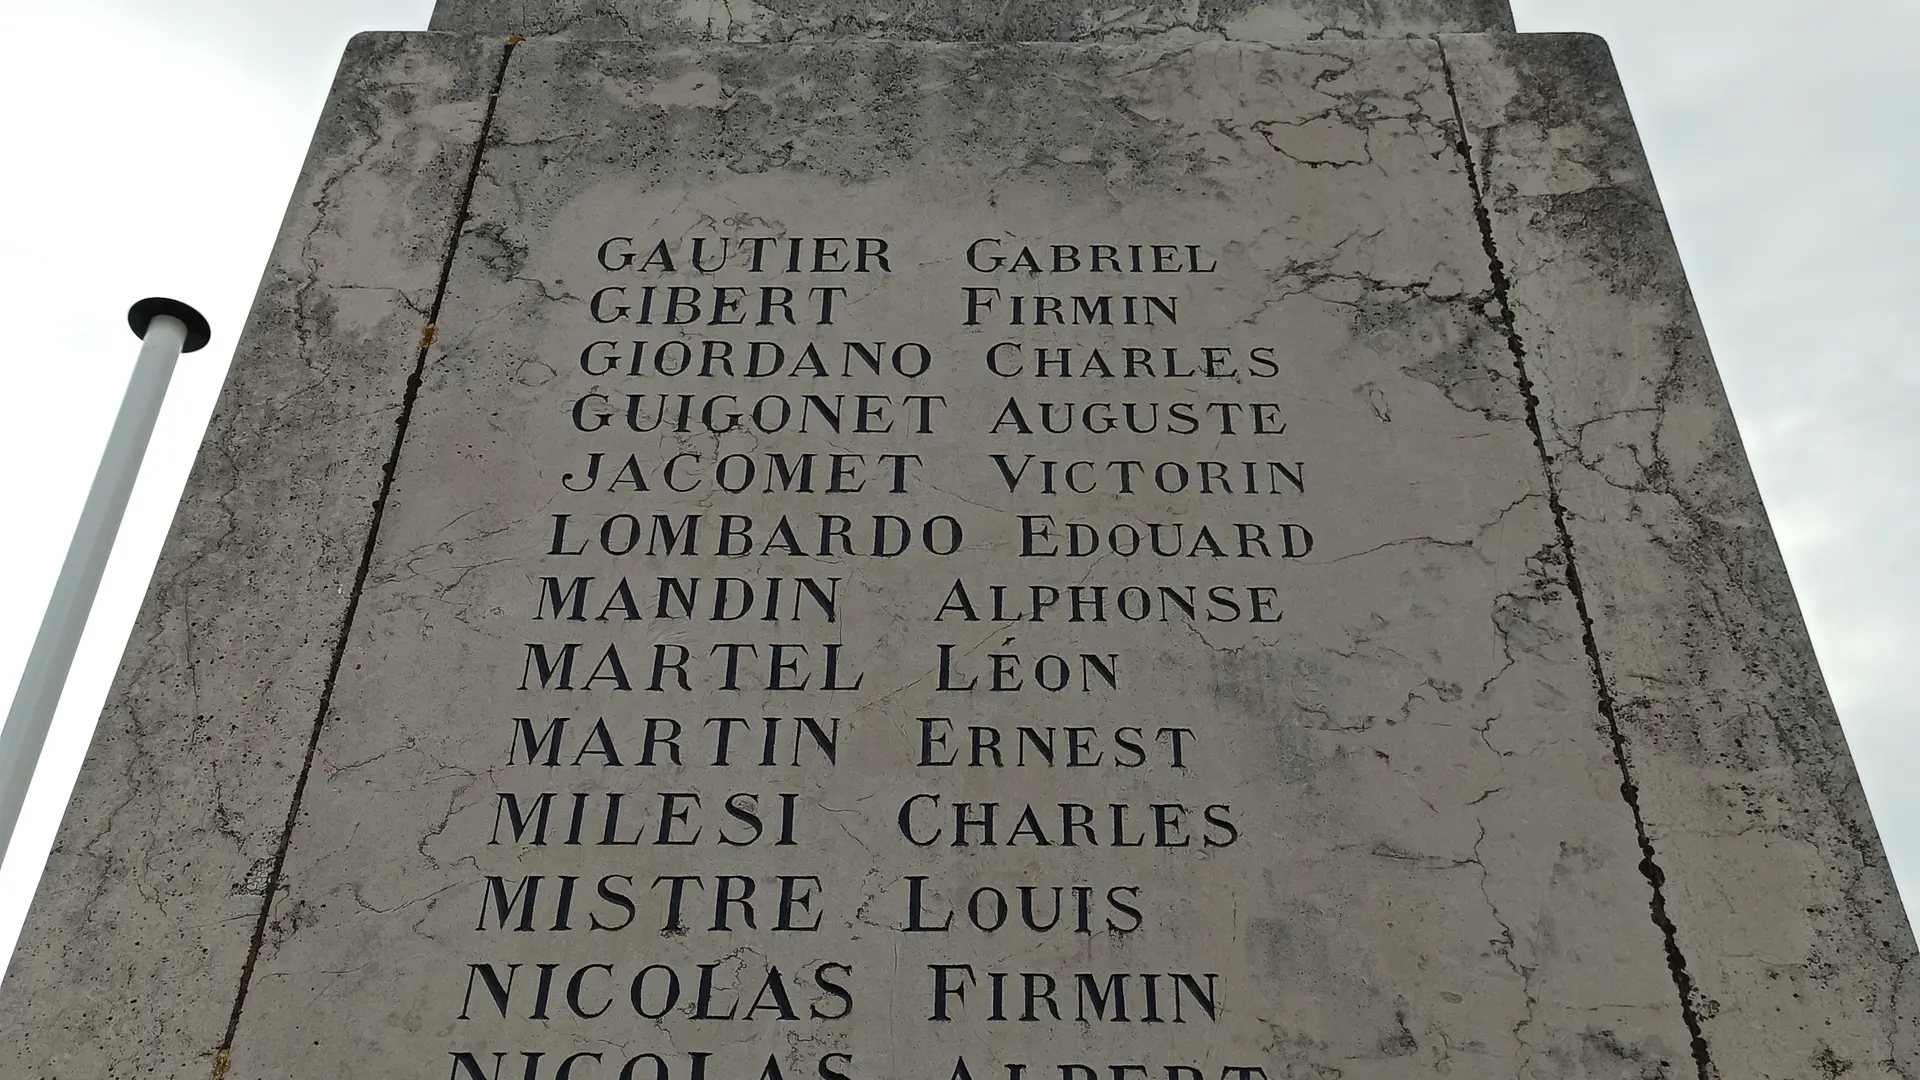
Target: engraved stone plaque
904	564
1023	562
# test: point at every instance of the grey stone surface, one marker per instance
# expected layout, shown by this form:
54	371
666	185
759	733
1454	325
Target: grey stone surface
1785	910
1529	772
134	948
1430	868
680	21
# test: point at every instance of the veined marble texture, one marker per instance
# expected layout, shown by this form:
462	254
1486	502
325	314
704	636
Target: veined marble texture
1491	743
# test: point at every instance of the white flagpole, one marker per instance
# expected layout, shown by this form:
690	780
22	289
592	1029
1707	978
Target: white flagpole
166	329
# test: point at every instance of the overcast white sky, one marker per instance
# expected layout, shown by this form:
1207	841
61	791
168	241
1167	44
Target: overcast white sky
151	144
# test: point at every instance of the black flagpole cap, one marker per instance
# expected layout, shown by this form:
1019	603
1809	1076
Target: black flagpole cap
142	313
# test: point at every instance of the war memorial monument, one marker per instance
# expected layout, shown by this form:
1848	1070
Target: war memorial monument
948	540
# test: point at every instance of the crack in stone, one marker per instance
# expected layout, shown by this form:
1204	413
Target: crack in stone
1629	787
1694	503
289	920
1503	947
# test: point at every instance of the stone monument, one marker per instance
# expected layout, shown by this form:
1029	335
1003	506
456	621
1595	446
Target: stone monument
897	540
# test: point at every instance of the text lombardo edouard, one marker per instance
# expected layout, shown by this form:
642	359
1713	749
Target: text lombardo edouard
726	409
